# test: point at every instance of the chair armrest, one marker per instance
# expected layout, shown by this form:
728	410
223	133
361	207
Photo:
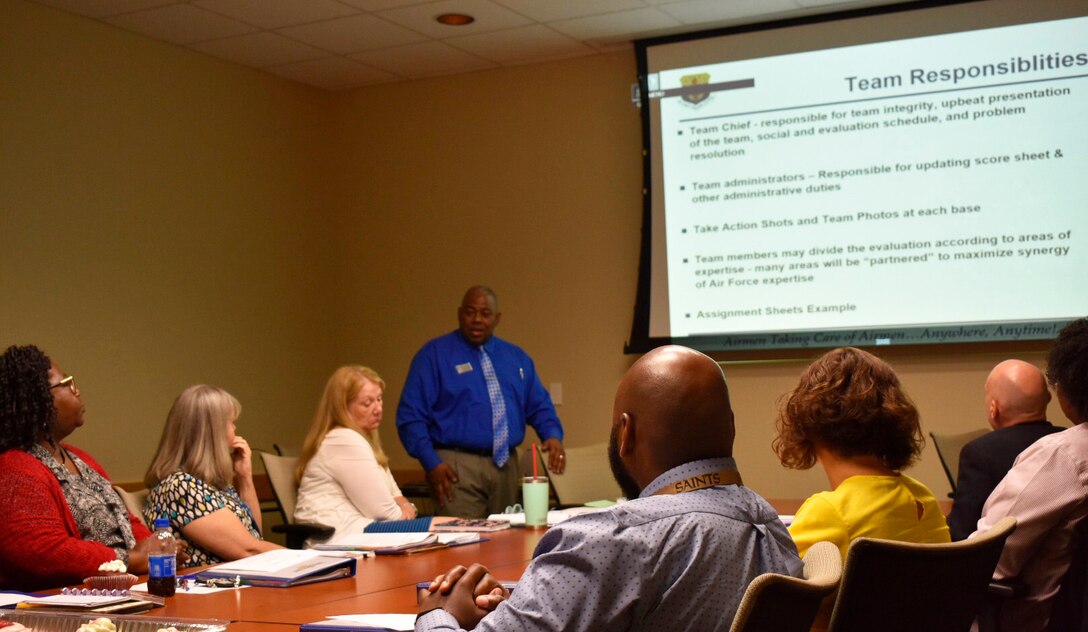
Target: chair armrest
1003	589
989	614
298	532
419	490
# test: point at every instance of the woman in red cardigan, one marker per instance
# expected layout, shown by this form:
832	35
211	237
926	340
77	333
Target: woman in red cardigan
59	516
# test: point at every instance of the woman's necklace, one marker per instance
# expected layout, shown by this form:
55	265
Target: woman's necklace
57	451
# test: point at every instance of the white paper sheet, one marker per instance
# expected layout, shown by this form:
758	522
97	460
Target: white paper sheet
391	621
555	516
374	541
268	562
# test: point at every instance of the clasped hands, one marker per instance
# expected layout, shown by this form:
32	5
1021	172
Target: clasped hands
468	594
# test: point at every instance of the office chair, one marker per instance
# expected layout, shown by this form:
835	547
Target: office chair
905	587
949	447
281	475
587	477
1070	608
780	603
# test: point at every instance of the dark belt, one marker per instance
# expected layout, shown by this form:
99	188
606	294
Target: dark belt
488	452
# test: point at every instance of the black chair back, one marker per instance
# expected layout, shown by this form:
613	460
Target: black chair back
906	587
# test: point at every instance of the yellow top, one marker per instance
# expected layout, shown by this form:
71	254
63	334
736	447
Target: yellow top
887	507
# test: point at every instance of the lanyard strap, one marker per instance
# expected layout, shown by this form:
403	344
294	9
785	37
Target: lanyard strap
701	481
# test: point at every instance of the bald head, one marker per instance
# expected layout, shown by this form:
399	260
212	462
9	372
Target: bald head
672	407
1016	392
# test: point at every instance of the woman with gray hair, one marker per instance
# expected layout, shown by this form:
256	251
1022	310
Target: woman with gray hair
201	479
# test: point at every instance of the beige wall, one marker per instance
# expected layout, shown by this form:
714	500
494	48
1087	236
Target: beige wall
164	222
169	219
525	179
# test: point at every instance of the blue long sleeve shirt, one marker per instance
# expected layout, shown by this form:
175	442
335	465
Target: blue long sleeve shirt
445	400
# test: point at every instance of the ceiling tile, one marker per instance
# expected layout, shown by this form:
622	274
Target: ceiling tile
428	59
716	13
380	5
842	5
103	8
515	46
339	44
622	26
273	14
333	73
260	50
489	17
353	34
180	24
553	10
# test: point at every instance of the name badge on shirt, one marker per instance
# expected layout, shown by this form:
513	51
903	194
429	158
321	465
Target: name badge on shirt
463	368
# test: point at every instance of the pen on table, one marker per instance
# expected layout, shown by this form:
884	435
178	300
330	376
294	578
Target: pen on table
184	581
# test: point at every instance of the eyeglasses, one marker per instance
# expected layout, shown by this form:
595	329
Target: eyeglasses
69	381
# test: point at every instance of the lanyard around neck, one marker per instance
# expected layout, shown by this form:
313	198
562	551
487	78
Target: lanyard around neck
701	481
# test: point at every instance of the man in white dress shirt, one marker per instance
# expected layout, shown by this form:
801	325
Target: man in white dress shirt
1047	491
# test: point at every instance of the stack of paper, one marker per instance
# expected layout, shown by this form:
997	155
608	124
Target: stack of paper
284	567
469	525
555	516
93	603
394	543
364	623
376	541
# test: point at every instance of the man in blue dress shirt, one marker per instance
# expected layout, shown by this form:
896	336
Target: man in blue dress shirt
677	557
464	408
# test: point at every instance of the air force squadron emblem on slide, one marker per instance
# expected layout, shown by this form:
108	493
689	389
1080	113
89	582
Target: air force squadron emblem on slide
688	81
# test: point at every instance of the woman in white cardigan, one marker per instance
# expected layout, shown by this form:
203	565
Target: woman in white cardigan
343	473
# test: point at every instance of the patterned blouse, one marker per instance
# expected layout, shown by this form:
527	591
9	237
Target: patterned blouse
184	498
98	510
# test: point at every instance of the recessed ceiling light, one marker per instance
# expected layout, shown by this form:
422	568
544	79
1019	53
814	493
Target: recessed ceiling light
455	19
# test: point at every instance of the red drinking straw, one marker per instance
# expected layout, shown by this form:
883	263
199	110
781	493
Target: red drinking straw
534	461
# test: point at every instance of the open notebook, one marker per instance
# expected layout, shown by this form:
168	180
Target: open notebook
283	568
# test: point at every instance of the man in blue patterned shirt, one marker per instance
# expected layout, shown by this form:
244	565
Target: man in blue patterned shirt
678	556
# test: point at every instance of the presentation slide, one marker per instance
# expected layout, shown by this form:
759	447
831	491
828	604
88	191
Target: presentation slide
928	189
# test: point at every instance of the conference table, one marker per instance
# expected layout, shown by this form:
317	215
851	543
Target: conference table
382	584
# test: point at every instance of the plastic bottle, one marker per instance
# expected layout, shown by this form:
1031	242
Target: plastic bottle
162	560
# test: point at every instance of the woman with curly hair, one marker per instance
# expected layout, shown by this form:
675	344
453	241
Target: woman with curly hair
850	414
60	517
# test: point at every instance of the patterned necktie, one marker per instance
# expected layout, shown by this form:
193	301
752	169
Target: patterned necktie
500	442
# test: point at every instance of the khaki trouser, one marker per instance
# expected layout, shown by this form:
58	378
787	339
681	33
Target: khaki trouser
482	488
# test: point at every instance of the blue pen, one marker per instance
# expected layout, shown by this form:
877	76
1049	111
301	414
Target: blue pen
185	582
